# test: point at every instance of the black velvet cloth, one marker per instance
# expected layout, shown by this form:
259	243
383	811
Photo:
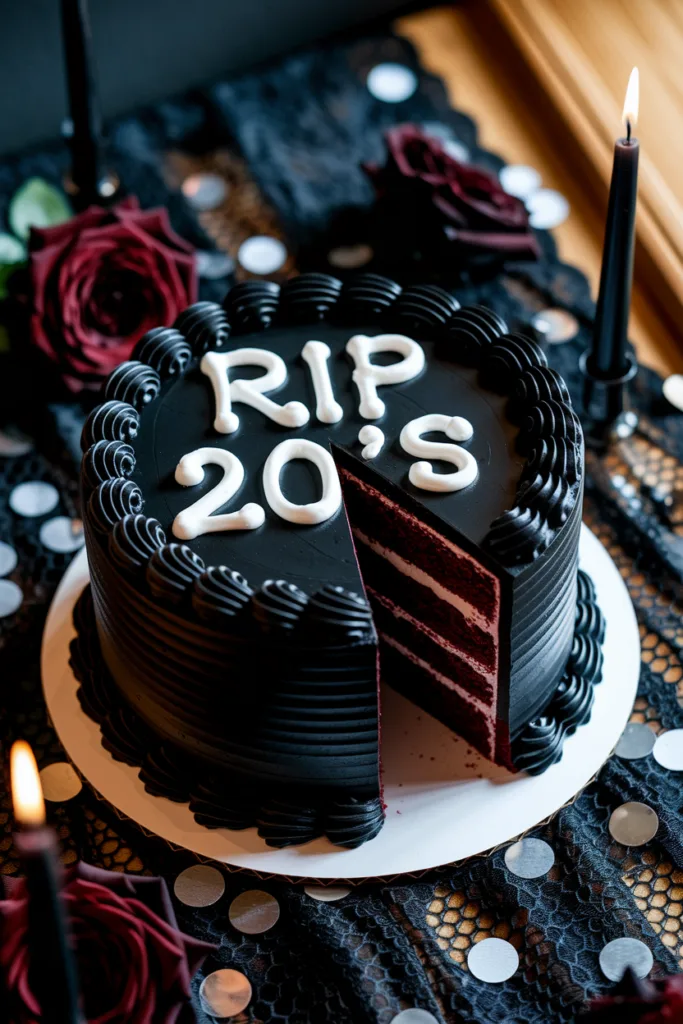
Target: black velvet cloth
303	126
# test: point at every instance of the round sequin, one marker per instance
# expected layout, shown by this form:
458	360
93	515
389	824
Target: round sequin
8	558
35	498
556	325
347	257
457	150
673	390
254	911
327	893
204	191
633	824
262	254
529	858
619	954
60	782
493	960
520	180
391	83
225	993
10	598
625	424
637	740
199	885
62	534
213	265
13	443
668	750
414	1016
547	209
437	130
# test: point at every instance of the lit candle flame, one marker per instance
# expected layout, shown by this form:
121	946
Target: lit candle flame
630	114
27	794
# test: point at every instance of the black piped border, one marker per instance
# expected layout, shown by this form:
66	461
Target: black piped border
540	743
517	537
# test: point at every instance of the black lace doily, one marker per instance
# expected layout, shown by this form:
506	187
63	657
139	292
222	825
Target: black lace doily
289	140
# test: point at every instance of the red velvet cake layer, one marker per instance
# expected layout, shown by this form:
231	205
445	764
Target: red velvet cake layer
437	611
417	597
392	621
463	714
416	542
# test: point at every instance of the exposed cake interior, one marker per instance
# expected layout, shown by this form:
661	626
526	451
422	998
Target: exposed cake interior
437	614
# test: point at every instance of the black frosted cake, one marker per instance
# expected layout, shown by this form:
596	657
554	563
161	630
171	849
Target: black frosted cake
289	495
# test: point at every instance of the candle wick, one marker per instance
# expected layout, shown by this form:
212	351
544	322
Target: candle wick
628	129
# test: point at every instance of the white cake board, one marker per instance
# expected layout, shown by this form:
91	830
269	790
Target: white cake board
444	802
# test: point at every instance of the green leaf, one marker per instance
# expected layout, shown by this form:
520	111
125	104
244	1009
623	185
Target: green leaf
37	204
6	271
11	249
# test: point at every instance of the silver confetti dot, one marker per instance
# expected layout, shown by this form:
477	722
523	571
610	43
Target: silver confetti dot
13	443
633	824
392	83
673	390
437	130
62	534
529	858
327	893
204	191
668	750
414	1016
619	954
262	254
10	598
520	180
457	150
637	740
60	782
346	257
547	209
254	911
556	325
225	993
213	265
493	960
199	885
35	498
8	558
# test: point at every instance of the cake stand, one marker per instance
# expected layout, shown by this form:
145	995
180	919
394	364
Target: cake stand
444	802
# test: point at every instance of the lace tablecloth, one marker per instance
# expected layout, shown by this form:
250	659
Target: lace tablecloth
288	140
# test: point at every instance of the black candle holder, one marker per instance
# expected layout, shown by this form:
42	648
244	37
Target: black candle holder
607	415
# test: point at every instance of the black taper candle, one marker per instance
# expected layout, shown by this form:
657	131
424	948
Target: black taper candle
608	358
52	972
52	967
86	125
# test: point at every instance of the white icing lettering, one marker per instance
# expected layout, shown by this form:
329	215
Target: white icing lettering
373	439
251	392
421	473
367	376
317	511
315	354
198	519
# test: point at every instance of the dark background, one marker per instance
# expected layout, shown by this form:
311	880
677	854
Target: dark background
146	50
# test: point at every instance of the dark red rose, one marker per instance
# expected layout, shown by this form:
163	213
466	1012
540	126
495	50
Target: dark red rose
428	192
636	1001
135	967
99	282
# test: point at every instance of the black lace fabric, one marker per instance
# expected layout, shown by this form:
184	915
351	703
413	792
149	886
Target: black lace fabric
289	140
